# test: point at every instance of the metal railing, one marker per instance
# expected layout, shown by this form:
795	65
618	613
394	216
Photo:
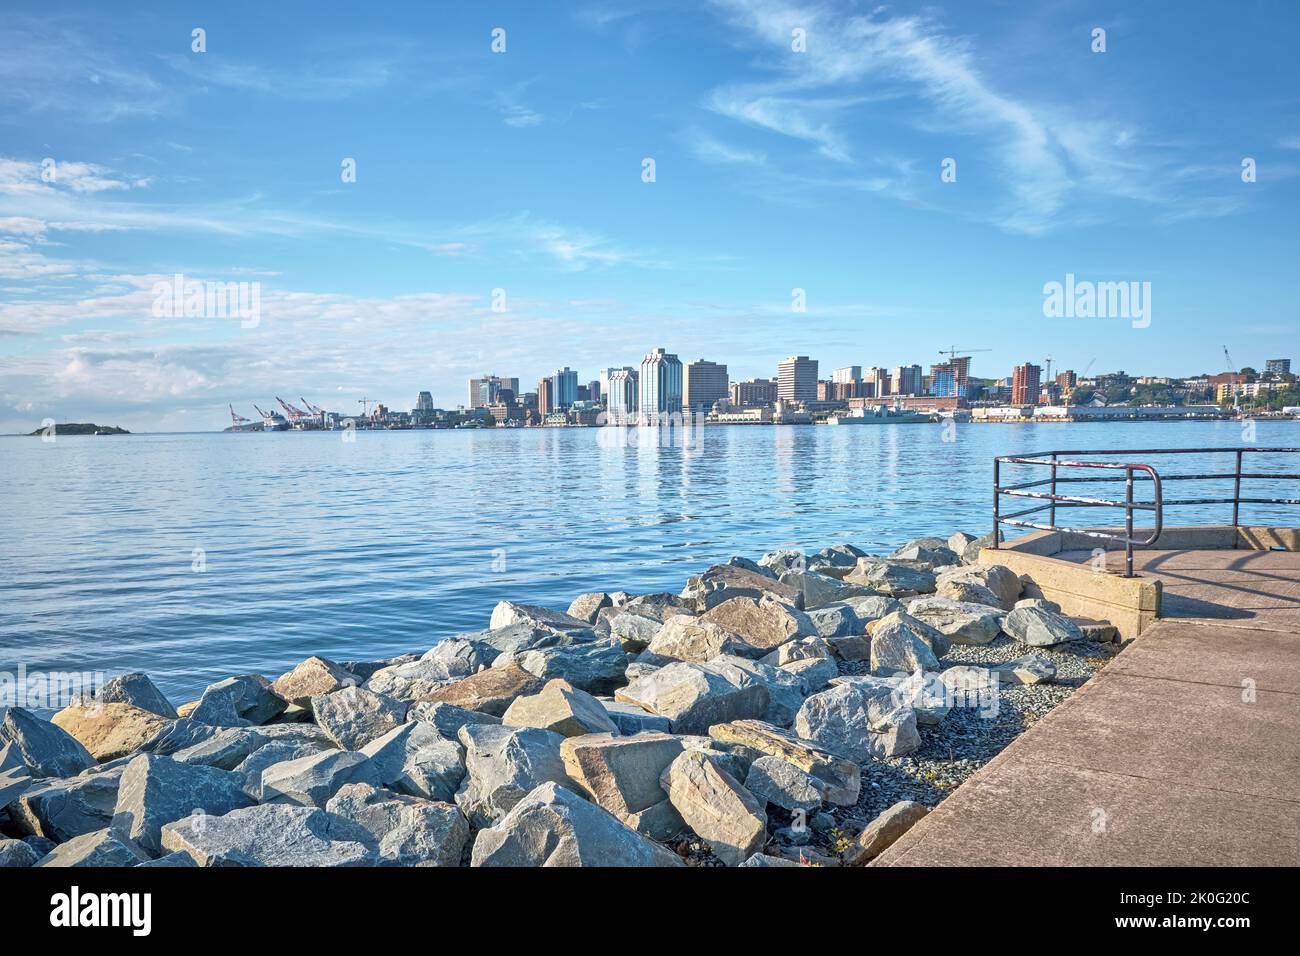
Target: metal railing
1057	460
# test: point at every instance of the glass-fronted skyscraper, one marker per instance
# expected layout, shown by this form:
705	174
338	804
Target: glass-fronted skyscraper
660	386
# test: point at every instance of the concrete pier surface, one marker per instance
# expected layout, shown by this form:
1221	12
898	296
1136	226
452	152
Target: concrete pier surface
1183	751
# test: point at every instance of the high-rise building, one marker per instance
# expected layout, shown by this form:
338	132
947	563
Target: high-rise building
594	391
484	391
545	397
621	396
796	379
1025	386
1067	380
906	380
943	381
565	388
703	383
1277	366
880	382
660	386
756	393
850	373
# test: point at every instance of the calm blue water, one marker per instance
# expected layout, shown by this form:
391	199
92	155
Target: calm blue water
368	549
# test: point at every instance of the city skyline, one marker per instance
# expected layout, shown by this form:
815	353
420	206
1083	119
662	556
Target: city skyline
416	209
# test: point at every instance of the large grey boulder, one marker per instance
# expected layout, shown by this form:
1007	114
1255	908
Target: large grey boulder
135	689
594	666
312	678
102	848
311	781
999	580
882	832
14	778
1038	627
836	620
813	673
621	774
562	708
716	806
694	697
841	776
459	657
874	607
489	691
227	748
685	638
893	729
776	563
837	556
502	765
892	577
238	702
413	680
785	691
45	750
447	719
963	623
634	629
508	612
553	826
352	717
157	790
899	645
971	553
782	784
416	759
276	751
60	808
837	720
722	582
820	590
266	835
765	622
631	719
933	551
16	853
959	541
400	830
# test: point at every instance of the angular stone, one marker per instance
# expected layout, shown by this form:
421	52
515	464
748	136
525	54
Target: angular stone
110	730
413	680
841	776
630	719
417	760
1040	628
722	582
820	590
963	623
968	592
779	562
352	717
508	612
62	808
562	708
621	774
16	853
899	645
813	673
1103	632
785	691
266	835
893	577
836	620
762	859
765	622
693	697
715	805
14	778
775	781
135	689
926	694
457	657
46	750
798	650
1043	603
882	832
277	751
594	666
838	555
851	649
311	781
998	579
971	553
312	678
933	551
239	701
585	607
1030	669
837	720
447	719
489	691
958	541
874	608
893	729
697	639
503	764
634	629
553	826
400	830
158	790
101	848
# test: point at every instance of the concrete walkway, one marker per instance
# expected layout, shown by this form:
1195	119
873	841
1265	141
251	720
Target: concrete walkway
1183	751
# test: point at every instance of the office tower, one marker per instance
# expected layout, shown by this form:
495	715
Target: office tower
1277	366
424	403
850	373
878	379
545	396
1025	387
703	383
564	385
943	381
1067	380
796	379
660	386
594	391
906	380
484	391
756	393
621	396
584	393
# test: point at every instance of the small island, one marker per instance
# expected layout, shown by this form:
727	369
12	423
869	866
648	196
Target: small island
82	428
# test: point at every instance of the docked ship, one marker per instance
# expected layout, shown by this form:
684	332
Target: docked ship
880	415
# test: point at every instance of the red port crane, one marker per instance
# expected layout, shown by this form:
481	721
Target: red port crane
236	419
315	410
295	414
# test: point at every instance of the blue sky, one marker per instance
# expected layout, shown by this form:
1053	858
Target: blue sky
522	171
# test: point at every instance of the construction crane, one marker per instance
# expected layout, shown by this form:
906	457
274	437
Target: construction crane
236	419
363	402
1228	359
954	353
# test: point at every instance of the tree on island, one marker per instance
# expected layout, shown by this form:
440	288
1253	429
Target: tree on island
80	428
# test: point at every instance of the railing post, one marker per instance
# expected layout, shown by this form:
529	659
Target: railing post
996	495
1236	491
1052	511
1128	522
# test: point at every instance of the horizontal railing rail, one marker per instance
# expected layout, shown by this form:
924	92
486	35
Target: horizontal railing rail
1133	472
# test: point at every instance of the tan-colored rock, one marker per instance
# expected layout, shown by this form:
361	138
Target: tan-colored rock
621	774
715	805
109	731
883	831
490	691
841	776
586	607
685	638
764	622
562	708
184	710
311	678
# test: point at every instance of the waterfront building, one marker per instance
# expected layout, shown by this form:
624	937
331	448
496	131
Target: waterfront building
850	373
1277	367
906	380
953	377
594	391
878	379
545	397
1068	381
660	386
621	396
703	383
756	393
484	391
1025	385
796	379
564	384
